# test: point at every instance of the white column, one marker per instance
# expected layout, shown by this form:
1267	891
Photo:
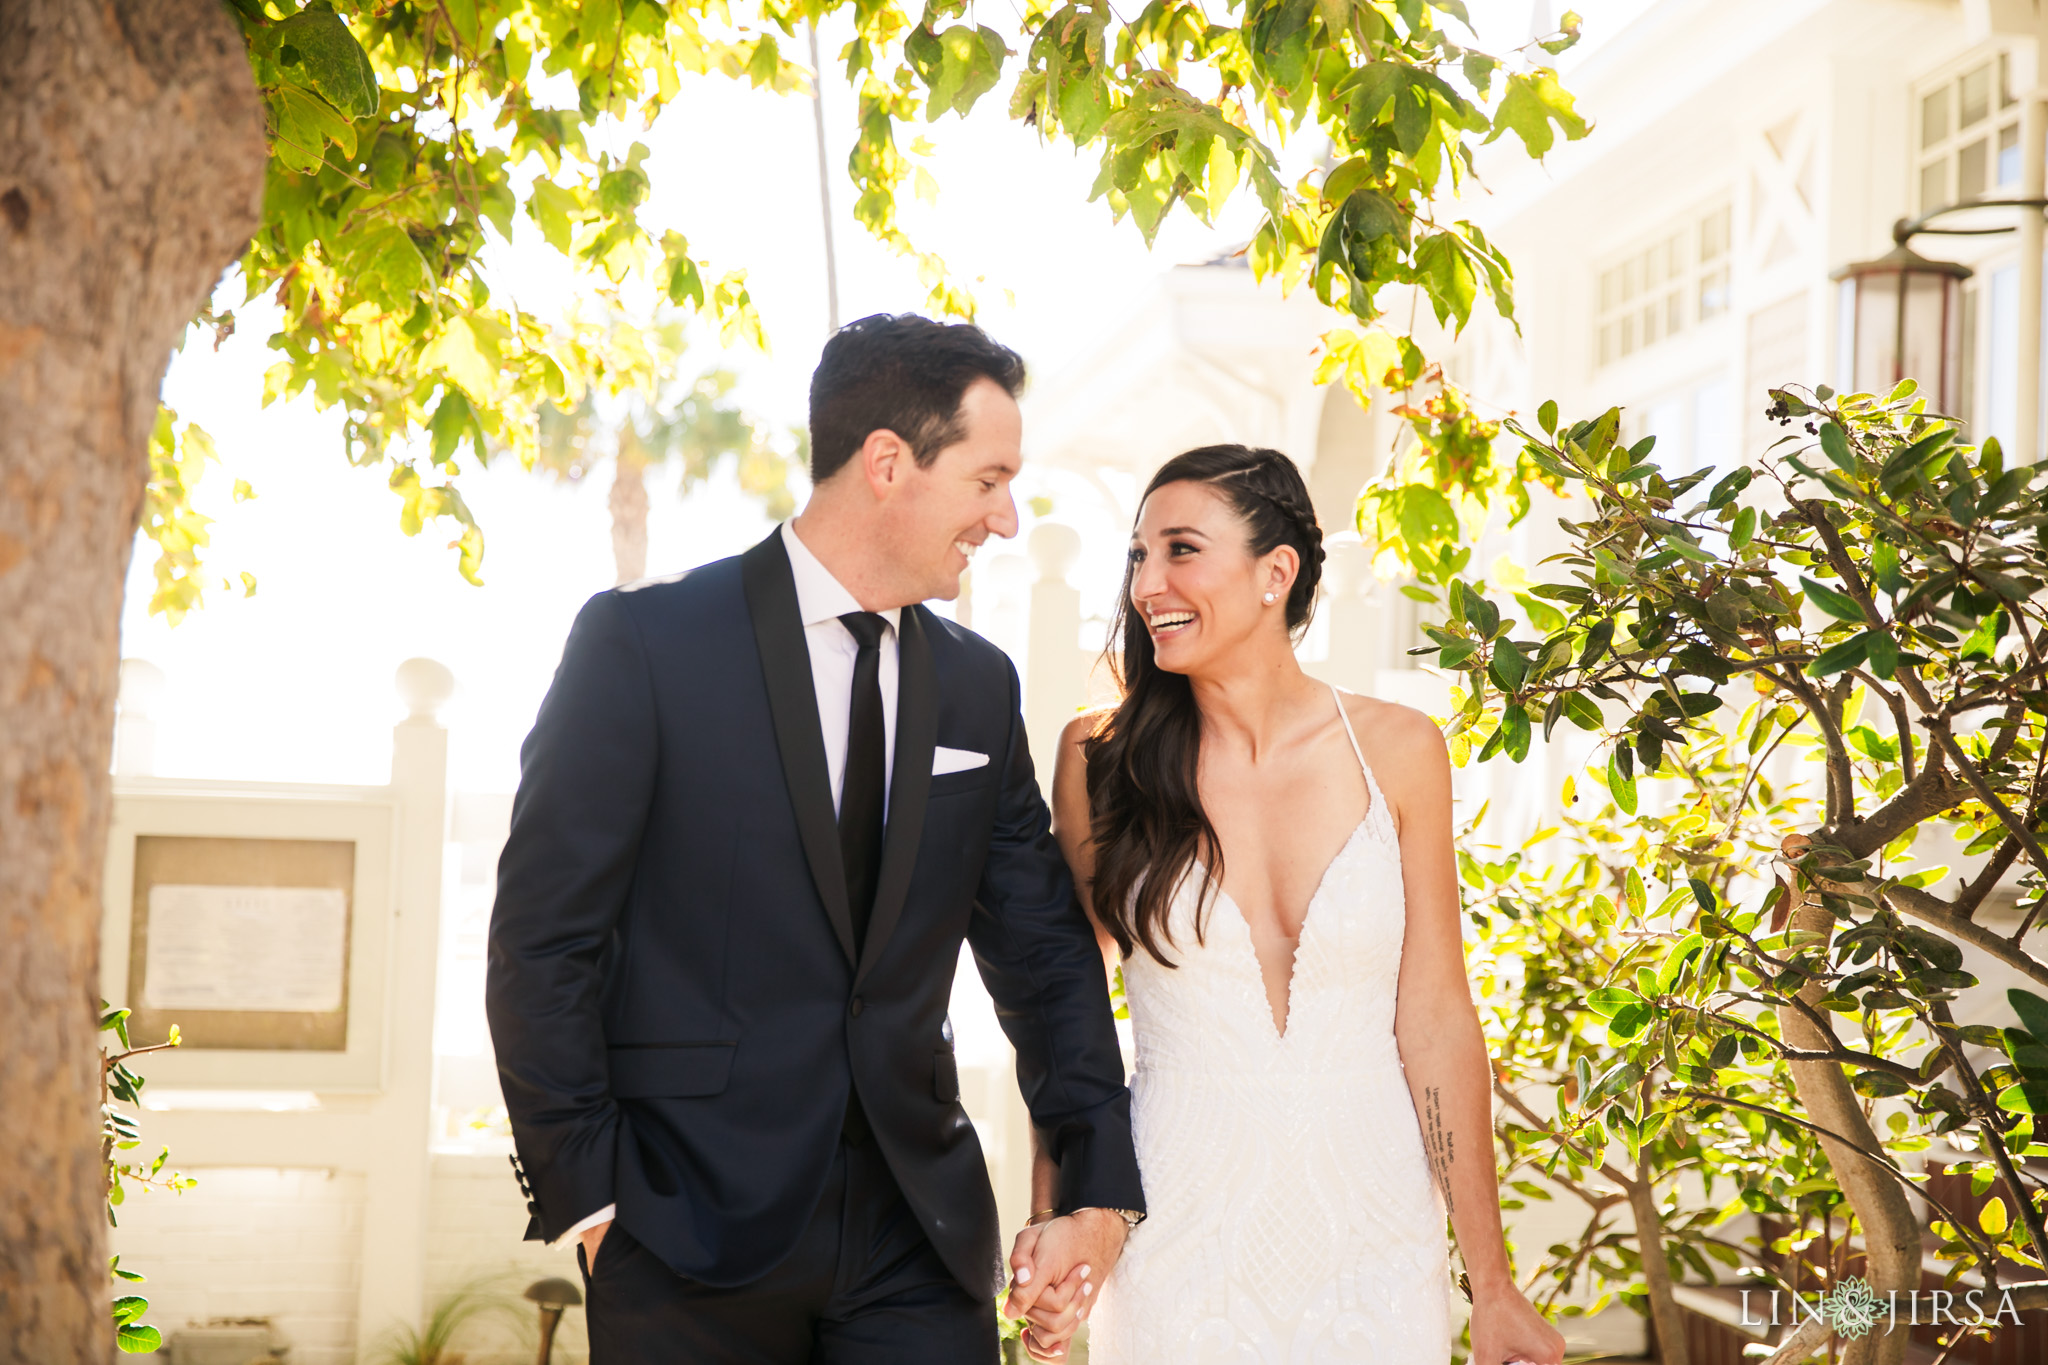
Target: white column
1353	616
142	686
1056	677
397	1161
2033	152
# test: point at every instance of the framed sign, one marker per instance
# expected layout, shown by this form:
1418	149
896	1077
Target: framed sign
259	924
242	943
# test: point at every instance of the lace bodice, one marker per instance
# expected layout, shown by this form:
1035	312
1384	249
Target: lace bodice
1292	1214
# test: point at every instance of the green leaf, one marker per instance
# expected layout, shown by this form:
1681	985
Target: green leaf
1630	1021
1547	415
1834	444
1621	783
1877	1084
1992	1217
1530	105
1610	1001
1744	529
134	1338
1882	651
2024	1098
303	124
1598	639
1456	652
1845	655
332	60
1632	892
1580	710
2031	1009
1509	668
1514	728
1833	601
1727	487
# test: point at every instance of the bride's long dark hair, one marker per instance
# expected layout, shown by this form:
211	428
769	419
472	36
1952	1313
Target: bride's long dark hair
1145	806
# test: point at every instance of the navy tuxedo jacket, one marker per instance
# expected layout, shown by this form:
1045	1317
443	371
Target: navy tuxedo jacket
673	992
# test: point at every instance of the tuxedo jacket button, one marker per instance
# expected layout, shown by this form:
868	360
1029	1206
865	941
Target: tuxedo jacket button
533	1207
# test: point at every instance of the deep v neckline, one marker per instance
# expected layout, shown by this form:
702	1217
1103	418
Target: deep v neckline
1283	1026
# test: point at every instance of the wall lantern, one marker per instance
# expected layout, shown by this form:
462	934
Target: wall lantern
1902	315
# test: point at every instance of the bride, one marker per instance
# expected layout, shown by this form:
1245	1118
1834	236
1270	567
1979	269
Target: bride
1270	860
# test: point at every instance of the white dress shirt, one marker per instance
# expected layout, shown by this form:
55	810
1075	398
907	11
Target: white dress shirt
821	600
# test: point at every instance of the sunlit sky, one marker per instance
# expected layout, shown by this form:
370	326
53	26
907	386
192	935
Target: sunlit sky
294	683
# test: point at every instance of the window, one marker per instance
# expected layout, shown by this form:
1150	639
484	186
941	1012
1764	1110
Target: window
1968	134
1694	427
1679	280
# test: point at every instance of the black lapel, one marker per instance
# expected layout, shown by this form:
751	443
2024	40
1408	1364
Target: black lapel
910	780
786	668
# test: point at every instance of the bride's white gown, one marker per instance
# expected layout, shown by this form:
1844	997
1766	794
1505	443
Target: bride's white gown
1292	1216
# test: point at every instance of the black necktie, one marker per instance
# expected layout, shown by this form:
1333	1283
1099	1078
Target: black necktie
863	788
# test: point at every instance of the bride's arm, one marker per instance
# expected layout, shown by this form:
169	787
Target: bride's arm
1442	1047
1070	826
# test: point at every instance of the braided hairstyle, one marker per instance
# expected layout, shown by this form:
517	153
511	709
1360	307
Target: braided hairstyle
1145	808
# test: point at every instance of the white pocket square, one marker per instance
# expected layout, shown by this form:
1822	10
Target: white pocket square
946	760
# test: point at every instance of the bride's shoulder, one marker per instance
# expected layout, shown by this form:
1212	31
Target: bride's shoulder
1083	726
1392	735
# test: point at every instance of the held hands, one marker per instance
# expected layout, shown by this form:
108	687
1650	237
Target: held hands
1057	1268
1506	1328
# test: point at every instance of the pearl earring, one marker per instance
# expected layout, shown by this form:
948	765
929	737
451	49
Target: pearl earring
1269	599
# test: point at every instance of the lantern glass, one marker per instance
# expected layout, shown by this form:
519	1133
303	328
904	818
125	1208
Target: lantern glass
1904	320
1877	332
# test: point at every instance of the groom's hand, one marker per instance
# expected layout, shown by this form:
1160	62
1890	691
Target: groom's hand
1056	1270
592	1237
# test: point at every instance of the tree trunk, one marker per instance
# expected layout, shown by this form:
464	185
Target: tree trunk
629	519
131	173
1891	1235
1665	1315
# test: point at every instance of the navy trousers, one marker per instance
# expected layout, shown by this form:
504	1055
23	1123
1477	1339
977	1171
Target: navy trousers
862	1287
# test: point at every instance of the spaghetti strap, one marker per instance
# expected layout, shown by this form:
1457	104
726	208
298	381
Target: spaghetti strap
1376	805
1350	733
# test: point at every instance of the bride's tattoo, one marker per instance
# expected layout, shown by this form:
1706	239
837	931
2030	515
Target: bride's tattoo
1438	1141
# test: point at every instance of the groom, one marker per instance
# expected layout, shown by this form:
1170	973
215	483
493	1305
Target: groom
762	804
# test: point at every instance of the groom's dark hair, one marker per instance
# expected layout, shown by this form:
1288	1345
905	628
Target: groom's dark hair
905	374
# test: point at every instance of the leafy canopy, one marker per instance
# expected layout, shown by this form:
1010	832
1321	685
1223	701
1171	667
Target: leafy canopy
408	136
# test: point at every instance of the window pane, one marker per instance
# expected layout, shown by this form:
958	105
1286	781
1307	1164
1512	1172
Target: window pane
1674	313
1628	334
1933	185
1714	235
1651	316
1975	90
1631	281
1610	290
1934	118
1607	343
1713	293
1970	169
2005	95
2009	155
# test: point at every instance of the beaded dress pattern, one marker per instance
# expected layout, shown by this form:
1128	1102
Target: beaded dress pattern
1293	1218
